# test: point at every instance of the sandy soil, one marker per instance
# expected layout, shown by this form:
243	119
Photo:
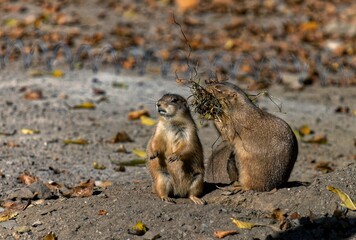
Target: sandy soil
129	199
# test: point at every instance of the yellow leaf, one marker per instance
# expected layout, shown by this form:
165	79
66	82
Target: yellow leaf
57	73
309	26
78	141
85	105
147	121
344	197
50	236
11	22
241	224
229	44
139	228
305	130
140	153
29	131
7	215
98	166
318	139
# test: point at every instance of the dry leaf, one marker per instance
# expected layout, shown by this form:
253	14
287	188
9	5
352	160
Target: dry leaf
324	167
98	166
85	189
103	184
184	5
98	91
132	163
120	137
344	197
85	105
317	139
295	215
308	26
278	215
244	225
121	149
33	95
27	178
305	130
147	121
140	153
54	186
57	73
50	236
102	212
342	109
78	141
222	234
138	114
138	229
7	215
119	85
28	131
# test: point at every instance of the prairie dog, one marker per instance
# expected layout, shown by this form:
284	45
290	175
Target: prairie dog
175	154
264	145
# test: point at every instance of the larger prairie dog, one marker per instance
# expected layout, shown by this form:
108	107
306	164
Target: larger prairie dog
175	154
264	146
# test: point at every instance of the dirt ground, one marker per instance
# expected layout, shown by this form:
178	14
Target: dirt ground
312	43
129	199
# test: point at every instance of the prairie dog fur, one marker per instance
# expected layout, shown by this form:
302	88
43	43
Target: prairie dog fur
175	154
264	145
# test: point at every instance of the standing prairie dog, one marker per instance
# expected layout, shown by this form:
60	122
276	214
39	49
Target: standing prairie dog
175	154
264	146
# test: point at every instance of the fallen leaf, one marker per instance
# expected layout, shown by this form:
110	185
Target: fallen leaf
11	144
305	130
53	185
85	189
27	178
37	73
50	236
278	214
120	137
22	229
98	91
57	73
85	105
103	184
119	85
138	229
147	121
120	168
102	212
78	141
11	22
132	163
344	197
244	225
342	109
324	167
308	26
8	133
28	131
222	234
295	215
317	139
184	5
98	166
7	215
33	94
140	153
138	114
121	149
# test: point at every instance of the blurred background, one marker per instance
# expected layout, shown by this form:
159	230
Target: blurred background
258	43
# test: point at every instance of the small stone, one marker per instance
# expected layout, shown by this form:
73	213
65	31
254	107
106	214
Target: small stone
22	229
21	193
9	224
151	235
37	223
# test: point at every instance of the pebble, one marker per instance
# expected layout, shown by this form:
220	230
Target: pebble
10	224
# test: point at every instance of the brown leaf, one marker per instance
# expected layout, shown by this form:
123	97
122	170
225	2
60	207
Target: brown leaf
324	167
85	189
98	91
98	166
222	234
102	212
185	5
137	114
278	214
103	184
27	178
50	236
54	186
120	137
317	139
295	215
342	109
33	95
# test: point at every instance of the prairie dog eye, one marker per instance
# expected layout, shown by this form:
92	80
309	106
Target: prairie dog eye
174	100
